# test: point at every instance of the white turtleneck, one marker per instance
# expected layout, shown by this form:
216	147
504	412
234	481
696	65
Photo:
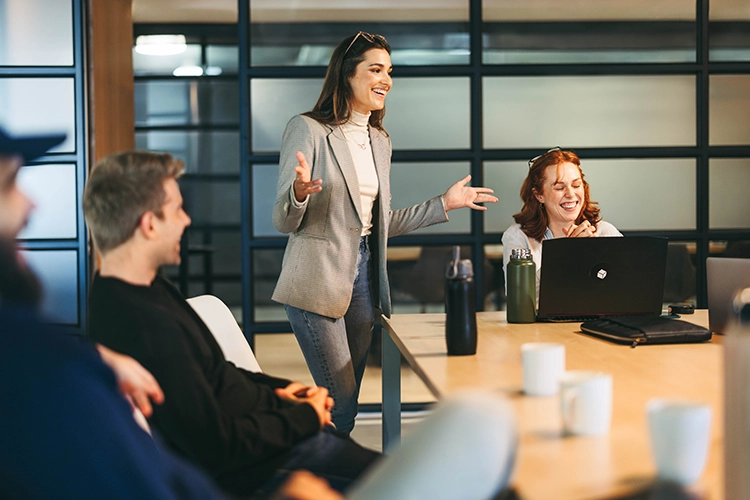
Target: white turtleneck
358	138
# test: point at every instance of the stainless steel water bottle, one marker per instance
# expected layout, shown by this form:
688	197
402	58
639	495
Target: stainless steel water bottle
521	279
737	400
460	307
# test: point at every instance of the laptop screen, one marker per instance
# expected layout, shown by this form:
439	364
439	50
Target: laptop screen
584	278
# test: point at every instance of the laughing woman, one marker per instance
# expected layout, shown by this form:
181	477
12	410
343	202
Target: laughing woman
556	204
334	201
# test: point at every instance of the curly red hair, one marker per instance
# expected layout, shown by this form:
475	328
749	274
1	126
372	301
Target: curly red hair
533	217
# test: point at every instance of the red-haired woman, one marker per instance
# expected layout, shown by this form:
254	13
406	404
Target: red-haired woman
556	204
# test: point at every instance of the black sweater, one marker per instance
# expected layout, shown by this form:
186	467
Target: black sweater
225	419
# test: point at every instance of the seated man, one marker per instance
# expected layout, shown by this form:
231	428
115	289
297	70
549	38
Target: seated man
247	429
67	430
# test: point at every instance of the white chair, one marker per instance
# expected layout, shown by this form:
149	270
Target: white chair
220	320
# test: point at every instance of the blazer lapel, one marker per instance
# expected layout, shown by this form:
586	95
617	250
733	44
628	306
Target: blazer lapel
340	150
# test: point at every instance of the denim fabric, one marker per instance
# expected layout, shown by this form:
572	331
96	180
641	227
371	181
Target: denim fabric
329	454
336	349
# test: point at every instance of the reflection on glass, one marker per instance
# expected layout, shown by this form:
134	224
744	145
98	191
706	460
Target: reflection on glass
417	277
632	194
590	111
227	258
285	33
57	271
679	282
728	40
582	41
413	183
36	33
273	102
37	105
146	65
589	10
215	152
52	189
223	57
186	102
728	200
415	120
729	107
549	31
495	299
736	249
505	178
727	31
265	178
266	269
213	202
231	294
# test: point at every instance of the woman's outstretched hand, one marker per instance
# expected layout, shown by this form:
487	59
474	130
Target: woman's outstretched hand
303	186
459	195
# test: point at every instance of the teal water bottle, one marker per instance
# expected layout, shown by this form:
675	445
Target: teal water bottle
521	276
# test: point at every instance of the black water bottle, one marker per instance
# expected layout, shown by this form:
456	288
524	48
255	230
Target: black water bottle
460	307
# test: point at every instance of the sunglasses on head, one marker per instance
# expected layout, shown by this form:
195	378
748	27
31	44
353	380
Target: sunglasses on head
531	161
370	37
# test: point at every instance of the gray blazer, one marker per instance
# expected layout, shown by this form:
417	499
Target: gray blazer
319	265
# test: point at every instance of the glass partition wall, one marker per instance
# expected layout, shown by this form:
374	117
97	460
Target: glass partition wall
188	104
42	72
652	94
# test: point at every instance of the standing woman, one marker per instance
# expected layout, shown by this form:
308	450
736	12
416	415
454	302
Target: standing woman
334	201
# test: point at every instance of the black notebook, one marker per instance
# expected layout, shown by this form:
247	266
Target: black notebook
637	330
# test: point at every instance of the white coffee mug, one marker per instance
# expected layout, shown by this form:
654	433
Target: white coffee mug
680	435
586	402
543	363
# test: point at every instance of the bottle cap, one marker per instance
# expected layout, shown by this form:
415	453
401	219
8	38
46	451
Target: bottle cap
460	269
520	253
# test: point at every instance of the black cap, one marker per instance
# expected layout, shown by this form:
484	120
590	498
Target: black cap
30	147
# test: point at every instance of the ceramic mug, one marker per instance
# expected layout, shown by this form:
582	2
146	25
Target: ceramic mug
586	402
680	434
543	363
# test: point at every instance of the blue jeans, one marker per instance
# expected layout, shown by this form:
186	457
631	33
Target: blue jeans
336	349
328	454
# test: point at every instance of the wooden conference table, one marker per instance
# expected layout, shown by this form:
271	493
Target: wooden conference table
549	465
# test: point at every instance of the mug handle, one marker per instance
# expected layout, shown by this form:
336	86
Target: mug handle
569	398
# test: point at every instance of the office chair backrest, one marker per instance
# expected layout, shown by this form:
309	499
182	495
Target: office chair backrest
220	320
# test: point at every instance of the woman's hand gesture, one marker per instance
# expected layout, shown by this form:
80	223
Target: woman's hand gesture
459	195
303	186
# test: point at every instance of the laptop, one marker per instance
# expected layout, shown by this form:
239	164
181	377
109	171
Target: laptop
589	278
725	278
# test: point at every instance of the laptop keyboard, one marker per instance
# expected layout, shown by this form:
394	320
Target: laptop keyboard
581	319
569	319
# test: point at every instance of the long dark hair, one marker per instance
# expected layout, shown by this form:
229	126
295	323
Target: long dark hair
333	106
533	216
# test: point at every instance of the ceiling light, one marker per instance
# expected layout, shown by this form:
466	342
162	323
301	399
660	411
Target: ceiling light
188	71
160	45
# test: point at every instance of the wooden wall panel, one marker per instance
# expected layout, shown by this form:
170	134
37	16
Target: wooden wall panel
110	59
